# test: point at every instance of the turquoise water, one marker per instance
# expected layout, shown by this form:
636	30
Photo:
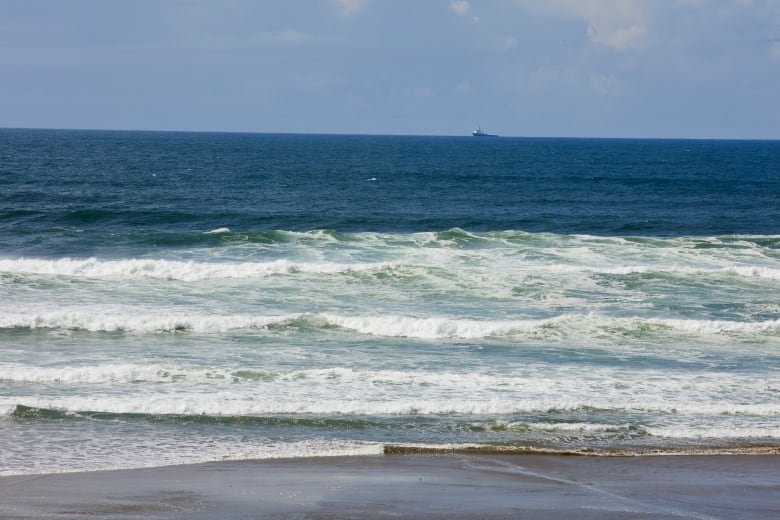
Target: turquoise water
169	298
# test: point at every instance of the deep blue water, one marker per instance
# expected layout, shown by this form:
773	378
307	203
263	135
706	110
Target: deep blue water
149	187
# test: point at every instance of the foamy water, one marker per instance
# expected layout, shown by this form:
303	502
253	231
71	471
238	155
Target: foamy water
399	333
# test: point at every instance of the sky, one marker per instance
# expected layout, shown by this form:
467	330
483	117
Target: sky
578	68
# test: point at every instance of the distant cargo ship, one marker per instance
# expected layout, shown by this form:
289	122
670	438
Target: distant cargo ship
479	133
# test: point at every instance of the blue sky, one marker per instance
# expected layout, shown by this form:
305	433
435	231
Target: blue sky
613	68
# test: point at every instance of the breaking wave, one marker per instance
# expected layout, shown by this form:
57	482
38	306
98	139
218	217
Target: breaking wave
187	271
225	404
398	326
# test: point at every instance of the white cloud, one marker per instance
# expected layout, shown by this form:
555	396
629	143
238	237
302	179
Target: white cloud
350	7
618	24
620	39
461	7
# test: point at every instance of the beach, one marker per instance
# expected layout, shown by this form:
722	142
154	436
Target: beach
413	486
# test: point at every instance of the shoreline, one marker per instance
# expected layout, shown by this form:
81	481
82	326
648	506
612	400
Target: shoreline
637	451
454	485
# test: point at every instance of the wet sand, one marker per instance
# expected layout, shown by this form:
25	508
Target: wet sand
413	486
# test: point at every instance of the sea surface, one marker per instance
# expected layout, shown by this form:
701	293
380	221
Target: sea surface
173	298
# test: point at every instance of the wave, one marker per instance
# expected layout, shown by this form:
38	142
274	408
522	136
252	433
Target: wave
91	374
627	430
217	231
716	432
226	237
28	413
741	271
401	261
155	373
187	271
219	236
217	403
396	326
449	328
460	238
139	322
534	389
434	328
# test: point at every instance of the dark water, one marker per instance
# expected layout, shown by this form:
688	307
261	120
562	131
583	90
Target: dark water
150	187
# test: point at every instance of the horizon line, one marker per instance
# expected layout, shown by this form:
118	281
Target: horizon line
372	134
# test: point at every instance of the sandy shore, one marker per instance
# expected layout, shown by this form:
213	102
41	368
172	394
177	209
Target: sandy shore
413	486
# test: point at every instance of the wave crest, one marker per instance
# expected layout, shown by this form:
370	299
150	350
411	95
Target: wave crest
397	326
187	271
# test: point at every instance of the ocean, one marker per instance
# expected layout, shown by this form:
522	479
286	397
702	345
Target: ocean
170	298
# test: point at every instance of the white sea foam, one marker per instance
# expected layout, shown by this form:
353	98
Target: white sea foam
433	328
716	432
713	326
102	321
188	375
754	271
106	373
188	271
571	427
217	231
127	320
423	251
133	453
246	391
225	403
442	328
745	271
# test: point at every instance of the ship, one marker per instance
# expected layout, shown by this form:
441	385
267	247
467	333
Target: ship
480	133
